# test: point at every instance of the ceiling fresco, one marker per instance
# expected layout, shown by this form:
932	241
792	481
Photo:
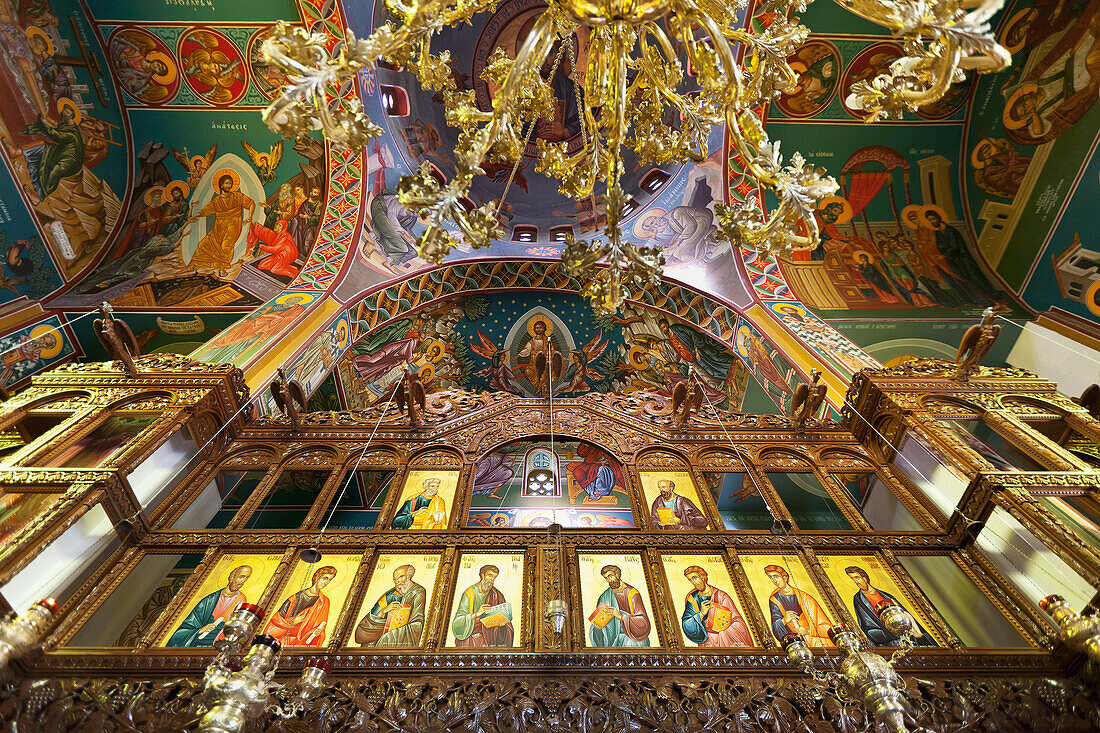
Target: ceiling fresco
489	342
190	214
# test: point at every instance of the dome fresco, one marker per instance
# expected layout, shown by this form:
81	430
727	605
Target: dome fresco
977	201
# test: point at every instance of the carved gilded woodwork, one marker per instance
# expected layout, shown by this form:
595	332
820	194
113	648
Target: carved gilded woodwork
640	430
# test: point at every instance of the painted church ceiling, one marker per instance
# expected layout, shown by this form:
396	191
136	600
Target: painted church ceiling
163	102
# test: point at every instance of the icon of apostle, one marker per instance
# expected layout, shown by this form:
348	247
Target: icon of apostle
675	511
426	510
620	618
204	624
711	618
397	618
484	617
794	611
866	599
303	617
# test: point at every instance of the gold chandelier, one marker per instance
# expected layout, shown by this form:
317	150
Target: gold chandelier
633	79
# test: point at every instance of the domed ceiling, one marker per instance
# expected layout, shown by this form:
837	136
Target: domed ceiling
982	199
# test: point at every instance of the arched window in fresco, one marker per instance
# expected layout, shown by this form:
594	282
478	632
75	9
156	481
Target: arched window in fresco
542	471
529	483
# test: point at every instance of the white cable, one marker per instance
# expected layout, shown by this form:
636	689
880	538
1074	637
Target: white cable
1048	338
53	329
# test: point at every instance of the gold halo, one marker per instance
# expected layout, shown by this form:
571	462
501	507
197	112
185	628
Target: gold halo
1010	26
150	192
227	172
36	32
169	76
59	340
644	217
1009	122
174	185
932	207
982	144
915	210
844	217
637	358
435	351
1091	298
536	319
777	306
426	373
341	333
743	331
298	298
858	252
66	102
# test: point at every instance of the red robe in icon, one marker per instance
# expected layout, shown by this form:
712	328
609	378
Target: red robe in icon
279	244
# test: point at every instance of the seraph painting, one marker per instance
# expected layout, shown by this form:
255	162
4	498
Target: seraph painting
535	483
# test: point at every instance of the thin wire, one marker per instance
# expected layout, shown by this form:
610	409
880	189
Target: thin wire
553	453
351	476
1048	338
985	527
53	329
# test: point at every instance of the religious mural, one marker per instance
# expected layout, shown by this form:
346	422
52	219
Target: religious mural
397	602
864	583
491	341
17	510
156	332
672	501
711	615
616	601
487	611
62	131
32	349
312	600
788	598
427	500
102	441
533	483
233	580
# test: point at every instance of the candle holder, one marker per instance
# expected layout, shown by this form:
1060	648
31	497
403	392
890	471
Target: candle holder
1079	632
556	613
867	677
300	695
24	633
235	696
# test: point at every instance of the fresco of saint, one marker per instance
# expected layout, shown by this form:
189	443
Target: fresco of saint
620	618
484	616
215	250
711	618
303	617
794	611
205	621
397	618
426	510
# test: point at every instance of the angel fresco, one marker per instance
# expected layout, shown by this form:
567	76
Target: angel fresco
500	374
143	65
196	165
213	67
581	369
265	163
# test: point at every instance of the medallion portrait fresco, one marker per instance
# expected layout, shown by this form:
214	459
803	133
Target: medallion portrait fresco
213	66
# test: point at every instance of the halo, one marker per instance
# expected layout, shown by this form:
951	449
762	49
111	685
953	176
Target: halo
174	185
644	217
913	209
637	358
932	207
536	319
777	306
426	373
502	568
1091	297
435	351
743	331
167	77
150	192
1007	120
227	172
341	334
1013	28
36	32
608	560
846	215
59	341
858	252
66	102
982	144
286	298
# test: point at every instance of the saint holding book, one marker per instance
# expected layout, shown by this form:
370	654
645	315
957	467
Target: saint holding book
397	618
620	618
484	617
711	618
